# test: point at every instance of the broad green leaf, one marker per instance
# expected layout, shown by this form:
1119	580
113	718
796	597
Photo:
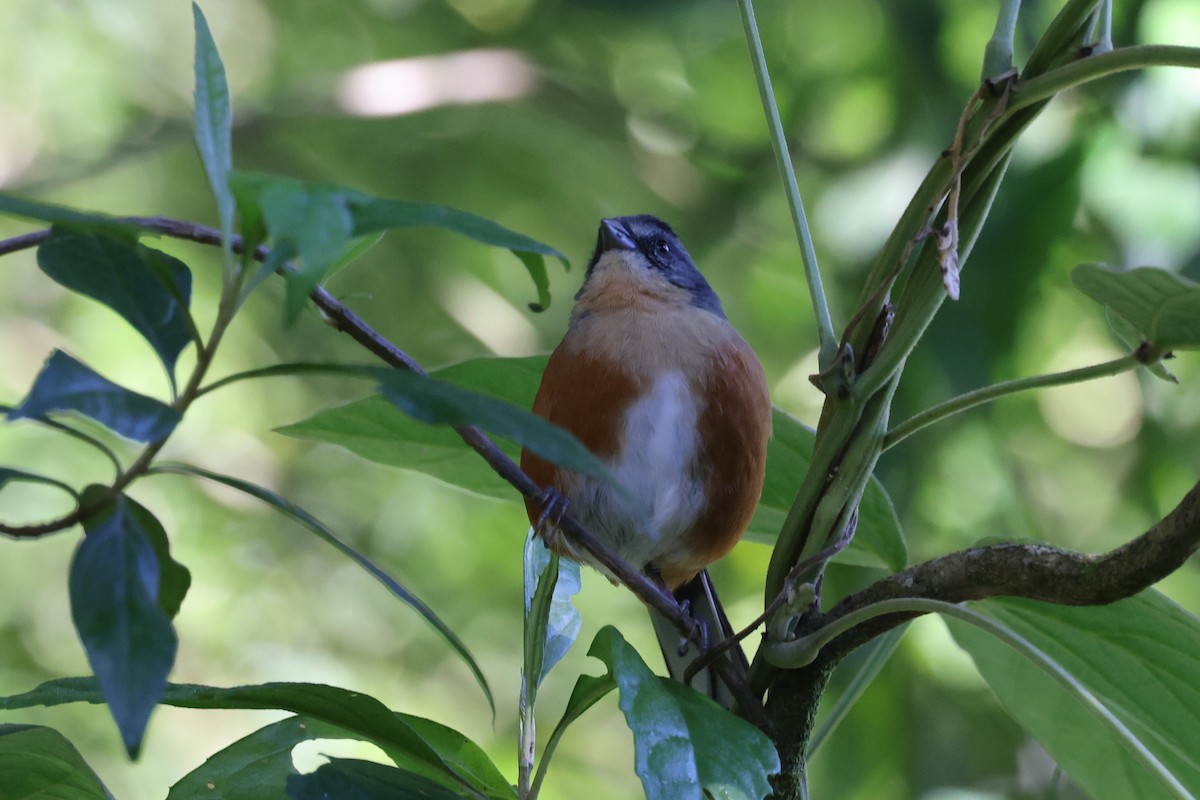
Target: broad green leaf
416	744
114	586
61	215
318	528
374	214
376	430
1139	657
38	762
64	384
174	579
213	122
879	541
255	766
354	250
684	743
313	223
563	620
148	288
437	402
353	779
1164	308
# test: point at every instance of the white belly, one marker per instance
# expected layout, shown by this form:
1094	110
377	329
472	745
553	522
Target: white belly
657	470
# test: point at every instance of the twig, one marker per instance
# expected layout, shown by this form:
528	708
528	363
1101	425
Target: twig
343	319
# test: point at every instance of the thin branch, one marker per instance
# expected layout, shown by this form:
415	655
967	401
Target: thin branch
989	393
343	319
1049	84
826	335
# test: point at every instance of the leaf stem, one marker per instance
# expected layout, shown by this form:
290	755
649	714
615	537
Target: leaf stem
989	393
1077	73
808	254
998	54
290	368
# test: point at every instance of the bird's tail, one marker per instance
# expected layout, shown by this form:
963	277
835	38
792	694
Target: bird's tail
704	607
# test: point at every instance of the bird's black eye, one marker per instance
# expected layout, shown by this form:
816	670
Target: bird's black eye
662	248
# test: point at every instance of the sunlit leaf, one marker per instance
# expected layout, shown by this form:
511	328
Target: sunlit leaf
114	588
148	288
318	528
705	746
64	384
1164	308
879	541
353	779
38	762
563	621
212	119
416	744
1139	657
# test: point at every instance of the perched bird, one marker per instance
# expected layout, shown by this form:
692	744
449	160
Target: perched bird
653	379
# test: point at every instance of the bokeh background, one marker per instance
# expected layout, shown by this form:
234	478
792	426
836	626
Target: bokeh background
546	116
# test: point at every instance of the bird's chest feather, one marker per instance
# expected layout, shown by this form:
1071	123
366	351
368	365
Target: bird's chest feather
656	460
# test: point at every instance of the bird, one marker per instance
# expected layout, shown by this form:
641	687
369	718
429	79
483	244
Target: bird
653	379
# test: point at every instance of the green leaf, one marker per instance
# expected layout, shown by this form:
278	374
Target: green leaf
416	744
684	743
374	214
213	122
312	222
61	215
1139	657
1133	340
255	766
315	526
376	430
879	541
148	288
316	221
174	579
352	779
64	384
39	762
436	402
1164	308
539	590
114	586
354	250
562	618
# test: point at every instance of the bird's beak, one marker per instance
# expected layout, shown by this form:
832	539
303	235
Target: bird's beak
614	236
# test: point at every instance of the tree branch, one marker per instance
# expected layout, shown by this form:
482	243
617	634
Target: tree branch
343	319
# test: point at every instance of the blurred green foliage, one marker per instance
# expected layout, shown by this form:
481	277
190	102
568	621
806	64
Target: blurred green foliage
620	107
